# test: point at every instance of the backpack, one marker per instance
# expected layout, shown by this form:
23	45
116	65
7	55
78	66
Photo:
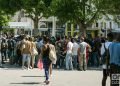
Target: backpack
3	45
52	54
10	44
104	56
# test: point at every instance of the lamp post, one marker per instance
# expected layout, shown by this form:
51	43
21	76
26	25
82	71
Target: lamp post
54	27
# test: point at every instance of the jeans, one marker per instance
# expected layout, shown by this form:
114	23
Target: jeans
68	61
18	59
96	59
11	56
46	66
26	57
3	55
75	59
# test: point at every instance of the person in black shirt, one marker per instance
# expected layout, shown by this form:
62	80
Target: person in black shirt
45	58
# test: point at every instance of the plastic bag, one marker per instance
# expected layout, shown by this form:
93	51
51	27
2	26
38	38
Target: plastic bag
40	64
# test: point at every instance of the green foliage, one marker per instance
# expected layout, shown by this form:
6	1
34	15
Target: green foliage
11	6
8	8
4	19
37	8
78	11
7	30
114	7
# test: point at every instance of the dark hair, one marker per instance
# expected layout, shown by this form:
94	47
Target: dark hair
118	37
31	39
46	39
110	36
102	40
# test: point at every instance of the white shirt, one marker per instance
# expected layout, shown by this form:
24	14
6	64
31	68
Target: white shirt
103	50
84	44
69	47
106	46
75	48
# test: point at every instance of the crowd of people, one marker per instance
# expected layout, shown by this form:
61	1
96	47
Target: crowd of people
72	53
66	49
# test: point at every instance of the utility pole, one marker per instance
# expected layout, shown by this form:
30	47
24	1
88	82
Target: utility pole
54	27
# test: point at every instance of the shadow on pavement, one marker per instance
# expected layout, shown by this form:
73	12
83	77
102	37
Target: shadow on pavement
29	83
33	76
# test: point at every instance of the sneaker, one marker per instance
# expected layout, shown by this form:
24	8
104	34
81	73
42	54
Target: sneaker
23	67
28	68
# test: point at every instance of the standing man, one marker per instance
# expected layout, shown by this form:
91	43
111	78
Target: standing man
114	60
82	54
68	58
4	47
74	51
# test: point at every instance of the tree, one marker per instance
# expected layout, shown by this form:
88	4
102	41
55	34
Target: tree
3	19
113	7
36	9
81	12
10	6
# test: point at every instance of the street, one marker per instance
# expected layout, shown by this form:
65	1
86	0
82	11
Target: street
35	77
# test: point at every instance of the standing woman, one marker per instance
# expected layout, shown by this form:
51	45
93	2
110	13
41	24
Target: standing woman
33	47
45	57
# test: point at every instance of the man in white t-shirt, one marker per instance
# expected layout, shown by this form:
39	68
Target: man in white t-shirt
82	54
74	53
68	58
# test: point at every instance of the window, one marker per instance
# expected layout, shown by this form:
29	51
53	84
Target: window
75	26
69	34
104	25
69	26
50	25
96	24
110	25
118	24
101	24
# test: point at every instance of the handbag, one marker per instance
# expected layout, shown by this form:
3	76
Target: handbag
40	64
35	51
52	54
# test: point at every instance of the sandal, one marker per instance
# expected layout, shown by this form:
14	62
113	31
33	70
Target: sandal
47	82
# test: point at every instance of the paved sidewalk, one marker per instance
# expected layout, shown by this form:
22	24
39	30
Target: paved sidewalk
18	77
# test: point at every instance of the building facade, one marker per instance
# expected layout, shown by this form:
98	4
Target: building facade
46	26
99	28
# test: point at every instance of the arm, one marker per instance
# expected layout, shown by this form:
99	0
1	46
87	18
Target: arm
78	52
89	48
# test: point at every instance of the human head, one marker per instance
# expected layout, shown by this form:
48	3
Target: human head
46	39
31	39
82	39
110	36
118	37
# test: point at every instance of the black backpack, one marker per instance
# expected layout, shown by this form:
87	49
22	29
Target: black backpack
10	44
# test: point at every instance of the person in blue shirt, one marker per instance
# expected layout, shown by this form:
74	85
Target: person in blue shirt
114	58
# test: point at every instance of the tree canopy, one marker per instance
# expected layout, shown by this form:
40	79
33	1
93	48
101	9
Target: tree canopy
81	12
11	6
36	9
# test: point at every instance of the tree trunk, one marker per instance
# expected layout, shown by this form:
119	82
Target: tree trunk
36	30
82	30
36	21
